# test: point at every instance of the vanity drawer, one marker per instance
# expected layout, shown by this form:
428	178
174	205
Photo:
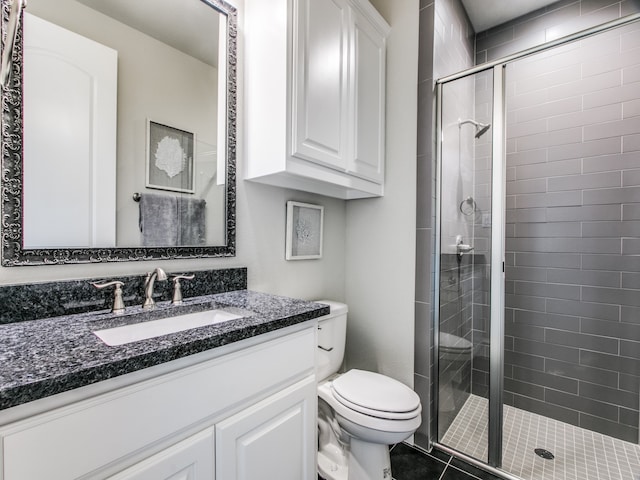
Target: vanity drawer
84	437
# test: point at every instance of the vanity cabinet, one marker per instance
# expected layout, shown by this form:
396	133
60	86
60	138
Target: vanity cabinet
192	458
315	91
248	408
270	439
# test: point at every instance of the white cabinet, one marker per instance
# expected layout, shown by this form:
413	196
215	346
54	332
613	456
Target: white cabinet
165	427
320	113
190	459
315	92
264	441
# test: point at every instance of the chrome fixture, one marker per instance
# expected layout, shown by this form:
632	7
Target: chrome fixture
159	274
462	248
118	304
468	206
177	289
12	31
481	128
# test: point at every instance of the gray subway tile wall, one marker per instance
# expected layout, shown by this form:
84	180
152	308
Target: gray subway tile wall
575	357
547	24
571	273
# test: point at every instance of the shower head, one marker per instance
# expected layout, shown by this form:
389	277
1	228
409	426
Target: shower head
481	128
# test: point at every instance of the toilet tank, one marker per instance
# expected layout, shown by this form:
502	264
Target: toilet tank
332	333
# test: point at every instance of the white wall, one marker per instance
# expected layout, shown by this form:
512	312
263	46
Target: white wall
380	241
260	244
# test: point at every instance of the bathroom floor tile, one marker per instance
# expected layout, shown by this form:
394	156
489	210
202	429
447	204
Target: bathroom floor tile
408	463
453	473
471	470
579	454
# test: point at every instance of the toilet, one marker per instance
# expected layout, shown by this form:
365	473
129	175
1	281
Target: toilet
452	347
454	354
360	413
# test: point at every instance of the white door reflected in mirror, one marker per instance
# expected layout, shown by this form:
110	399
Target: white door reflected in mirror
70	148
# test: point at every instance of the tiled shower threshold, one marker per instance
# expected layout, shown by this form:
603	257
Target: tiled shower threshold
579	454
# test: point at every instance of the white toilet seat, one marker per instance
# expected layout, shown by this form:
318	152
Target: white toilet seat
373	422
376	395
374	413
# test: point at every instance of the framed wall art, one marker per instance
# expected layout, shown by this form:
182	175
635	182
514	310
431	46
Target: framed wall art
170	154
304	231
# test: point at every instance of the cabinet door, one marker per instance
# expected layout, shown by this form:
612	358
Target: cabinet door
190	459
368	58
320	96
276	438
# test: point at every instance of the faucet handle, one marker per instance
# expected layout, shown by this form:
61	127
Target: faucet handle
118	304
177	289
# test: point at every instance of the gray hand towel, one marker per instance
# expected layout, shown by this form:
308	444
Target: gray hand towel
158	220
193	226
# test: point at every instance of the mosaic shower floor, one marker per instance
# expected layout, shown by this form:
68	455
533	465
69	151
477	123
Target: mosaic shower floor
579	454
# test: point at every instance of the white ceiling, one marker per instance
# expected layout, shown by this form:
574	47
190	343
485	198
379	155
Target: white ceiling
191	27
485	14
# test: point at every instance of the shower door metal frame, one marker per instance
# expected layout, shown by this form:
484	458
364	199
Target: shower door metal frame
496	345
498	213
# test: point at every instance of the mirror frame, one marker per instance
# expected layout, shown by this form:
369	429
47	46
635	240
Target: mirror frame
11	188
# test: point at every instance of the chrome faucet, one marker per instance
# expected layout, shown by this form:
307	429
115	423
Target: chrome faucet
159	274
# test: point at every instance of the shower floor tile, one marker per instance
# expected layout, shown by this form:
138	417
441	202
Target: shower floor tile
579	454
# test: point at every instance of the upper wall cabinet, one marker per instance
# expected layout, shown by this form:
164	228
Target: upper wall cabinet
315	89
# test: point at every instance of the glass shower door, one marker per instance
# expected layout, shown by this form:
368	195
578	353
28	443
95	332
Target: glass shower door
465	264
538	170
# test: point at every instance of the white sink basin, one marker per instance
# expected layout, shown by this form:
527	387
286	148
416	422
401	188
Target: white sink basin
155	328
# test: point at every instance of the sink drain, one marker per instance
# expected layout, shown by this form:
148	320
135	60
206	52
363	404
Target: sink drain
546	454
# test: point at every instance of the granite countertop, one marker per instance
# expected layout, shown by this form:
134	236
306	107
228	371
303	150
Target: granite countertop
44	357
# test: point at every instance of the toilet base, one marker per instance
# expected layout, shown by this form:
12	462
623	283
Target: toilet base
369	461
366	461
330	470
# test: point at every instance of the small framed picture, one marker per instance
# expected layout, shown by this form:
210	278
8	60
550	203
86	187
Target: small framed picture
304	231
170	154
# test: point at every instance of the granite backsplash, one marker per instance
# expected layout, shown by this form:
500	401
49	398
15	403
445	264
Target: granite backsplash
53	299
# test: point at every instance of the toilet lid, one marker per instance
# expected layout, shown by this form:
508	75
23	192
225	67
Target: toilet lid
376	395
454	343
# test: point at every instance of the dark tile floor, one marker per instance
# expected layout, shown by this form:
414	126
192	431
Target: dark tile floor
408	463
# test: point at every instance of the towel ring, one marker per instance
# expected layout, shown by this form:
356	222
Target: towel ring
468	206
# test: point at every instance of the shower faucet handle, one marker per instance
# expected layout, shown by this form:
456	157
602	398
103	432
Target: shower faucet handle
462	248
